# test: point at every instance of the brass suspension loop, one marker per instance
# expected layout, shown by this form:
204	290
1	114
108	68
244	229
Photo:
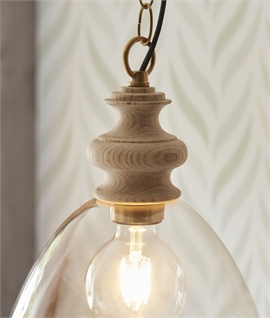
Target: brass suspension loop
140	78
129	45
148	6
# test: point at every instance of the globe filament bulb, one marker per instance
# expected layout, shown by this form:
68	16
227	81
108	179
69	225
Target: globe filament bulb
135	275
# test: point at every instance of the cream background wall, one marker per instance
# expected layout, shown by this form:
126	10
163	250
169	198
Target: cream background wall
212	61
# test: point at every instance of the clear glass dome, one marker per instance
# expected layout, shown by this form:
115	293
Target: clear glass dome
66	272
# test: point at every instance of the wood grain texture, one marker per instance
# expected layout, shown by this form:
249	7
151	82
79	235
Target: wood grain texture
137	155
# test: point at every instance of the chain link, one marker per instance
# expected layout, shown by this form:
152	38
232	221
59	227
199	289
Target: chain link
145	41
145	4
151	23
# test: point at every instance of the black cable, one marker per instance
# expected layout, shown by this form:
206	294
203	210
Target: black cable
155	37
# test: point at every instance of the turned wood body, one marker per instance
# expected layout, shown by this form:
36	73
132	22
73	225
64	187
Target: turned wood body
137	155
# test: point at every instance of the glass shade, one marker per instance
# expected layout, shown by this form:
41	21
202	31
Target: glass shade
57	283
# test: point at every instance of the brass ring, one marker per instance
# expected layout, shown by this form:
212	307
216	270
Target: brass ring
151	24
144	5
130	43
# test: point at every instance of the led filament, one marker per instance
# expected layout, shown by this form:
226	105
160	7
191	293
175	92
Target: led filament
135	272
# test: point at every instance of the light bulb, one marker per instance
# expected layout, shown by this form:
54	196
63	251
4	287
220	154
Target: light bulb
135	275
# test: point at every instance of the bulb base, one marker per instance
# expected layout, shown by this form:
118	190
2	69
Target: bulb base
137	215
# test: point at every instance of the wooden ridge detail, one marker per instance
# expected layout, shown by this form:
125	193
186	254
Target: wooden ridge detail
137	155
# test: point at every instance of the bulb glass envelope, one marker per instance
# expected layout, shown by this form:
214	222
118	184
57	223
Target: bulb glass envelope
55	287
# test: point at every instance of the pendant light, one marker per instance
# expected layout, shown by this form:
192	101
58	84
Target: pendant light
144	265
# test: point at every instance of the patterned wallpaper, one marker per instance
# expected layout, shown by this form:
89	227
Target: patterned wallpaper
212	62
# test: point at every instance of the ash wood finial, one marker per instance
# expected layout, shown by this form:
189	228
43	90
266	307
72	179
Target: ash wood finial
137	155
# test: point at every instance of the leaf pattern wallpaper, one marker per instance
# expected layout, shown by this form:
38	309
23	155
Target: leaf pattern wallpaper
212	61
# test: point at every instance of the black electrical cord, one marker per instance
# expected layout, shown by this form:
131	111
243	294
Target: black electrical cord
155	37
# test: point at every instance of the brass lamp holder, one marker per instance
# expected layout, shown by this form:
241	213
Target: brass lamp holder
137	156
